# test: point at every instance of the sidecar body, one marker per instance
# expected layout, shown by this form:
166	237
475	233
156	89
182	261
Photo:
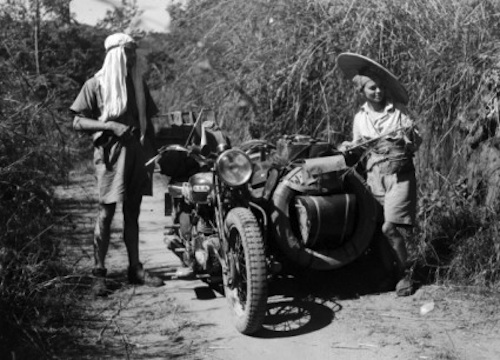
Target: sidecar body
321	213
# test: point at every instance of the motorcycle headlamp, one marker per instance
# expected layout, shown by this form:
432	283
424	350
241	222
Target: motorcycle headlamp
234	167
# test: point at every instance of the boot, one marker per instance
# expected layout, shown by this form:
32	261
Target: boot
138	276
405	286
99	287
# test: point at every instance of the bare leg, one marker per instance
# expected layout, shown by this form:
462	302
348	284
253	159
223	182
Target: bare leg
396	235
102	233
136	272
396	239
131	211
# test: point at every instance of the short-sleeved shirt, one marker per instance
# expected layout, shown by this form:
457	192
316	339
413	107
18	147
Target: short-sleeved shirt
120	164
369	124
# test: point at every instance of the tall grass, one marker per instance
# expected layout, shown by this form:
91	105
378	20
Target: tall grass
32	160
265	64
272	63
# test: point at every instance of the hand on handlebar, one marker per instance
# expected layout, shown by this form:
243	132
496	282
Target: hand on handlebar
351	145
344	146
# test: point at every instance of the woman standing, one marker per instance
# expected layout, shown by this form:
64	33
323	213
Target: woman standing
382	126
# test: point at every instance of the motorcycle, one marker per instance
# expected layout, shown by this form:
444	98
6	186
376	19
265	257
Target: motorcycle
241	213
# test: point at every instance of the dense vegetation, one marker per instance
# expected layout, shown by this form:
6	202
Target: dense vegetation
268	64
271	64
37	83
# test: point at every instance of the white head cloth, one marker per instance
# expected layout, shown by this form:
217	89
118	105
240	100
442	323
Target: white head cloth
112	78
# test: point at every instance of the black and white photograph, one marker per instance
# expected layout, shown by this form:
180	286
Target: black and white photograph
243	180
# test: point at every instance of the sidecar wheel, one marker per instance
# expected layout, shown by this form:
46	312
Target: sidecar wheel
245	280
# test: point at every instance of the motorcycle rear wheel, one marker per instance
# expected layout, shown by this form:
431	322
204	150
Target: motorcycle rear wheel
245	280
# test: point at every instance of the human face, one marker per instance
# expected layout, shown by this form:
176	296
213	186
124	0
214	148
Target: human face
374	91
130	56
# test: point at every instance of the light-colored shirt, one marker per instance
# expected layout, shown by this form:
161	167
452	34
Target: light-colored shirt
369	124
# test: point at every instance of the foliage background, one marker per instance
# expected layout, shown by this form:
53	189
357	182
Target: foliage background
263	63
39	76
271	64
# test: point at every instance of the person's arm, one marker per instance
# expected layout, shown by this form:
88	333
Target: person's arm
151	111
411	135
85	109
81	123
357	136
413	140
356	129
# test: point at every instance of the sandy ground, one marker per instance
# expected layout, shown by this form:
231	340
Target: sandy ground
189	320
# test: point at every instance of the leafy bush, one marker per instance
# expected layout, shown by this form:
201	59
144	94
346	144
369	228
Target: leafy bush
36	150
457	239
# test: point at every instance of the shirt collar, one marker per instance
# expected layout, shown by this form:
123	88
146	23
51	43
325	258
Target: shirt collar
389	107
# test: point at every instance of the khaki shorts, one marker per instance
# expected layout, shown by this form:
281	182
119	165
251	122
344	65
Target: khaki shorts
126	177
397	193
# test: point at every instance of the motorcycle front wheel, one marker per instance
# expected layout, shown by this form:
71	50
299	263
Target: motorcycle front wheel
245	277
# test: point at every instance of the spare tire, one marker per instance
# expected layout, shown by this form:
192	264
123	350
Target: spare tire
326	259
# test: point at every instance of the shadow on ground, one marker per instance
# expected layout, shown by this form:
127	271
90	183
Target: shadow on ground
133	321
309	300
302	301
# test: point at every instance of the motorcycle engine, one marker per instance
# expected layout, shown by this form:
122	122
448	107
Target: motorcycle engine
206	247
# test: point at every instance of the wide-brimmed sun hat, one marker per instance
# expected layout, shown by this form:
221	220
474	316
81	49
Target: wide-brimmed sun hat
353	64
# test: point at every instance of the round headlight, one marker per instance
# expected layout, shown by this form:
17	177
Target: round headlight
234	167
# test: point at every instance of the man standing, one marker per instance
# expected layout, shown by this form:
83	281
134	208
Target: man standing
116	107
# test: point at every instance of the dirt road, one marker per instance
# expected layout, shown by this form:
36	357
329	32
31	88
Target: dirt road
186	319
